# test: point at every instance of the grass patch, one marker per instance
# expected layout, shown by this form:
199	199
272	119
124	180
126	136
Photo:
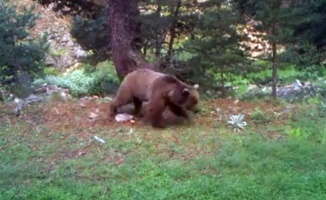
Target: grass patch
194	162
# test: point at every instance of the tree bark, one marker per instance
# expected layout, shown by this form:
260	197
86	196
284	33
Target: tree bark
125	36
160	37
274	65
172	28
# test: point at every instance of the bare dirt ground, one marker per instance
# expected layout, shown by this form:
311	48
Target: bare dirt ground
94	112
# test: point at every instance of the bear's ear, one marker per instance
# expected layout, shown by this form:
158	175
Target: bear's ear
186	91
196	86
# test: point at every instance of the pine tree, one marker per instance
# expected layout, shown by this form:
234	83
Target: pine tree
274	22
310	23
216	44
21	59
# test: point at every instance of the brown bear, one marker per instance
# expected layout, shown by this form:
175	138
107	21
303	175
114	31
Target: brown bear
158	91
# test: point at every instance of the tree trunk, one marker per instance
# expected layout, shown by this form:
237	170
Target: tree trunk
274	65
172	28
274	71
125	36
160	37
223	92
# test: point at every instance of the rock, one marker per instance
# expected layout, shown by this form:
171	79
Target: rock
64	95
32	99
86	98
297	91
108	98
70	43
92	115
100	140
61	41
79	53
21	103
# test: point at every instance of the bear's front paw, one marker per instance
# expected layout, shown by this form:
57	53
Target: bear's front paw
158	125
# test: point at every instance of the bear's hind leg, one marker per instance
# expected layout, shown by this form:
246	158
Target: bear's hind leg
138	106
123	97
154	111
157	121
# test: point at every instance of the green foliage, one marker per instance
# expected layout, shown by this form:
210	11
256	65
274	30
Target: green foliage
274	19
22	58
287	73
297	133
305	56
215	46
93	35
51	71
91	32
199	40
309	125
153	26
309	24
305	59
259	115
81	82
323	106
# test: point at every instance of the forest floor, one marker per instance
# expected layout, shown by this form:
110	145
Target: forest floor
49	151
60	116
57	122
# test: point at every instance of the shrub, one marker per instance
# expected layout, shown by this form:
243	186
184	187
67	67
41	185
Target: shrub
259	115
22	59
92	34
102	80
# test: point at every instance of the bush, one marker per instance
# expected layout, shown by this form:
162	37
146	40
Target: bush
92	35
22	58
103	80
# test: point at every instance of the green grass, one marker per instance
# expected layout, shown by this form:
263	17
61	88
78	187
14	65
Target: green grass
207	163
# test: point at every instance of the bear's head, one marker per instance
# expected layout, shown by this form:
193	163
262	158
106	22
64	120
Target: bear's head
186	97
192	98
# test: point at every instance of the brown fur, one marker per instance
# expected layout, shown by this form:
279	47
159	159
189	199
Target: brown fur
158	91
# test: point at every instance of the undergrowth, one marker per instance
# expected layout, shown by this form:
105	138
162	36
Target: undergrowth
101	80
